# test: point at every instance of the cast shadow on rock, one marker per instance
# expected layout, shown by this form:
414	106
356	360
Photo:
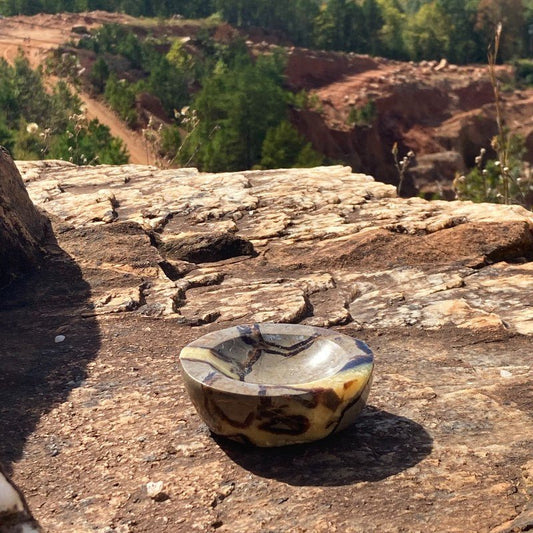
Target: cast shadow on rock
37	373
377	446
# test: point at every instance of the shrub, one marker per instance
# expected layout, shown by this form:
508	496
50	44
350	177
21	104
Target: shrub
170	141
121	97
362	116
524	71
285	147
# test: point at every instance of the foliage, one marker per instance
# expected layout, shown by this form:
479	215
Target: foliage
391	34
486	183
119	52
284	147
168	83
7	138
339	26
465	45
427	32
121	97
509	13
170	141
99	74
305	100
37	124
86	143
401	29
28	144
179	57
373	22
158	8
524	71
235	108
506	179
362	116
294	18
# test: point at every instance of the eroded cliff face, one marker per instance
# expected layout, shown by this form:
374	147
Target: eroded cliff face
444	113
441	291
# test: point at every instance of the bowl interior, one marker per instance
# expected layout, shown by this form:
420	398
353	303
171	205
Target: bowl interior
279	359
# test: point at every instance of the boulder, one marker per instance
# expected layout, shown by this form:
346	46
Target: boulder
22	227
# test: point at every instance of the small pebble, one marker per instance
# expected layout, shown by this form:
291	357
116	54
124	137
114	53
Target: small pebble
59	338
506	374
154	489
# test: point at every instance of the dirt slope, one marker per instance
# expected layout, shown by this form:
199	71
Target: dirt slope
36	36
140	151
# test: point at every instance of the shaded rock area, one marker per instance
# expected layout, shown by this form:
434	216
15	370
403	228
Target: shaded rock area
442	292
22	227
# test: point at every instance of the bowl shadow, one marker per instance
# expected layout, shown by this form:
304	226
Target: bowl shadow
378	445
37	373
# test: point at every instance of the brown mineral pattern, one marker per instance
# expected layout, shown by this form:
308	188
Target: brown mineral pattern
97	430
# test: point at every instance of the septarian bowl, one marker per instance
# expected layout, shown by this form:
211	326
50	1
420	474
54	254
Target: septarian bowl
277	384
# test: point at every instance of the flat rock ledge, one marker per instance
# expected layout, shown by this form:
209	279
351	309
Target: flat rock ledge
147	260
320	246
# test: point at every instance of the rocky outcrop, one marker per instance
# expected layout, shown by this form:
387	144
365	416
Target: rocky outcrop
22	231
22	226
322	246
440	291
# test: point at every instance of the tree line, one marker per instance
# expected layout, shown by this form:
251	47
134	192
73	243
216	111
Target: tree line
401	29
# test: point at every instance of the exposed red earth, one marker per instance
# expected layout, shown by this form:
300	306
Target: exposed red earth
443	112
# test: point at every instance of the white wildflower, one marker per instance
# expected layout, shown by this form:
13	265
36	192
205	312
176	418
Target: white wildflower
32	127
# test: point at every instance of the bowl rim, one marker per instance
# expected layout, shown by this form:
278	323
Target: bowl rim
359	361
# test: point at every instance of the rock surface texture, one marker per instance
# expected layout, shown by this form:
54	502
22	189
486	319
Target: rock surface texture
149	260
22	227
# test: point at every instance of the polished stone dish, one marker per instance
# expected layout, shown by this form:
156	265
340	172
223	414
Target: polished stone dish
277	384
